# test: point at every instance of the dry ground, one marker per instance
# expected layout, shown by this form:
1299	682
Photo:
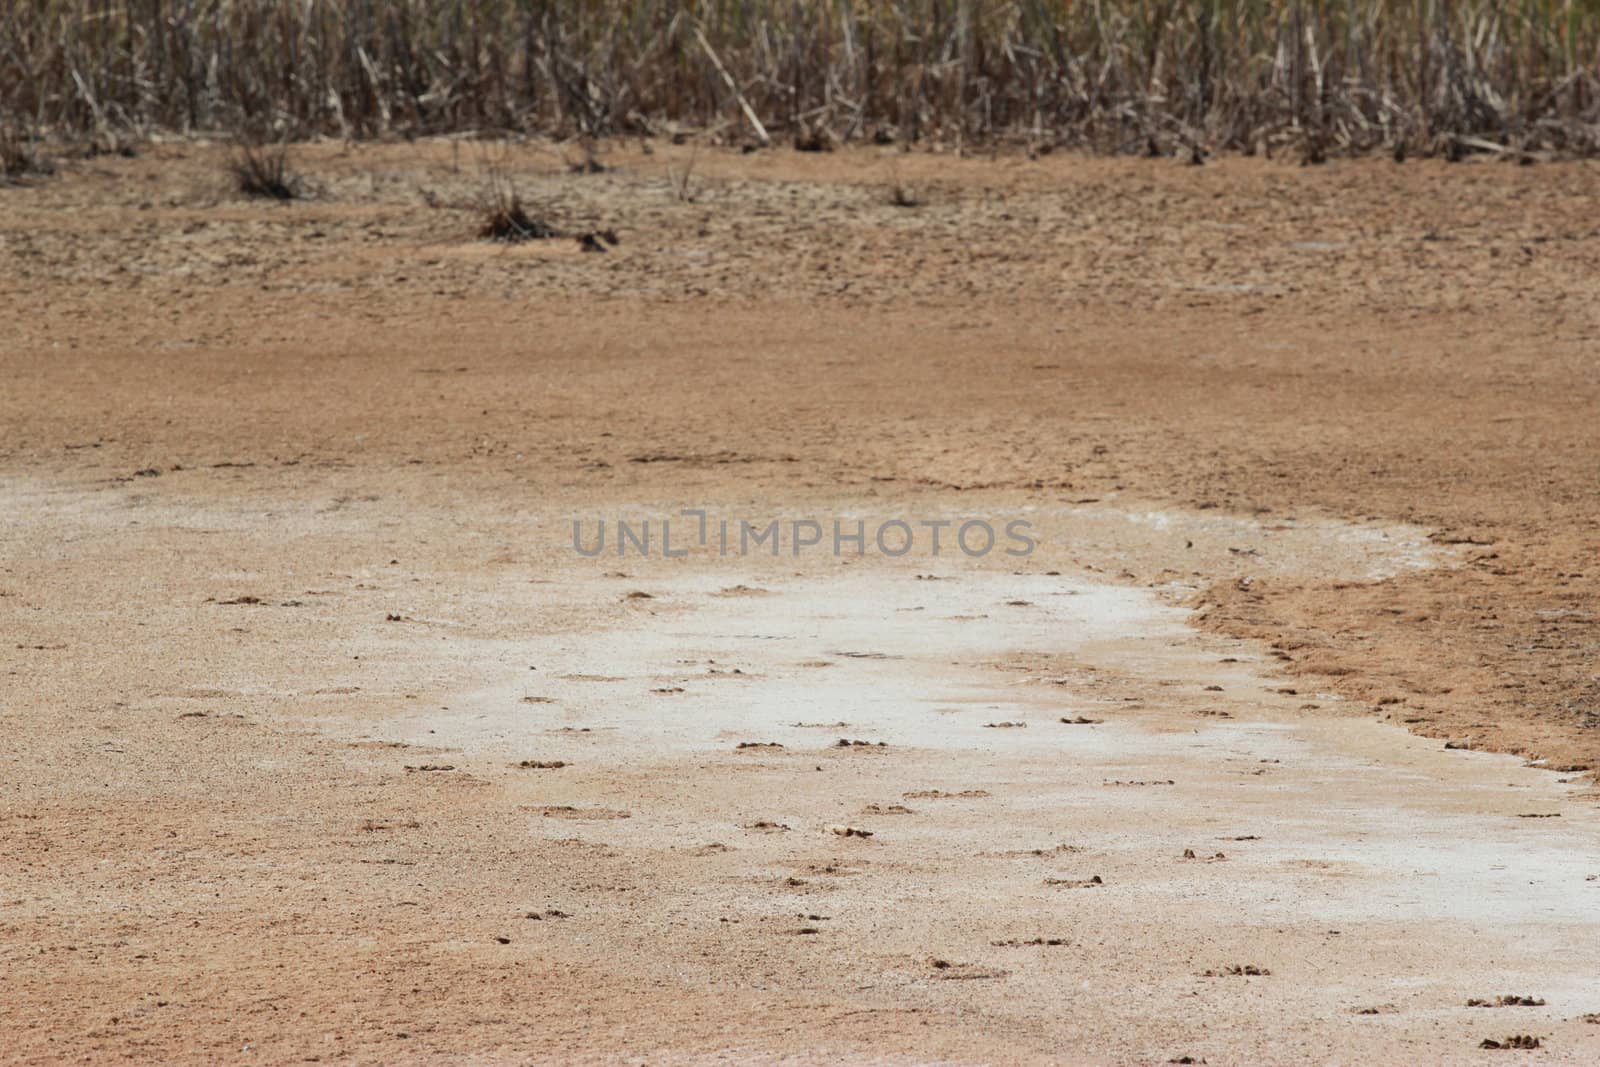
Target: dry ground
1302	384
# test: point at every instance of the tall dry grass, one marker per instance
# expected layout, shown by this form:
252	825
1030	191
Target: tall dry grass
1327	76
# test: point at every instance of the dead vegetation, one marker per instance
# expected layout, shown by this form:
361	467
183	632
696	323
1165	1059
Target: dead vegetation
263	171
504	217
1308	80
19	157
681	178
901	194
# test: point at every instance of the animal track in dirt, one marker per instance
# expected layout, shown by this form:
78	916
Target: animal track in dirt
1005	725
940	794
887	809
1138	782
1515	1041
540	764
845	742
1014	943
757	744
1093	881
849	831
1082	720
765	827
1507	1000
430	767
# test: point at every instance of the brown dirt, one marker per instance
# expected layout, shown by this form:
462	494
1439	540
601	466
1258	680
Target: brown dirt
304	468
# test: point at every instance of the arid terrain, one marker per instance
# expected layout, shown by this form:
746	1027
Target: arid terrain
320	743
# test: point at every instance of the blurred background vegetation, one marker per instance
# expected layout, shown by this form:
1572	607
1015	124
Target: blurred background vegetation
1434	77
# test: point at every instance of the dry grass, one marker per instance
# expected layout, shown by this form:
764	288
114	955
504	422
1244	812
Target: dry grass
19	158
901	194
263	171
1311	78
504	217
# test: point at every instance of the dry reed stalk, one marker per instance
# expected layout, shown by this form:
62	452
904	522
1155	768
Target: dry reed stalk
1181	77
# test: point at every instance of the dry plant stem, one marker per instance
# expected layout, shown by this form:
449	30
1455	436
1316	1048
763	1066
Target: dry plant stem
1309	80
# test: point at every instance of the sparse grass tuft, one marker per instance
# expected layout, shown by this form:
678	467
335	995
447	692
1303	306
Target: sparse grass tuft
505	219
901	194
19	157
263	171
589	163
681	179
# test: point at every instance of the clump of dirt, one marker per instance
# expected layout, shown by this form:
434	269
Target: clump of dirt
597	240
1237	970
951	971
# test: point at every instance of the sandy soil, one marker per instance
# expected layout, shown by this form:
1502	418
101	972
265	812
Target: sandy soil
289	599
